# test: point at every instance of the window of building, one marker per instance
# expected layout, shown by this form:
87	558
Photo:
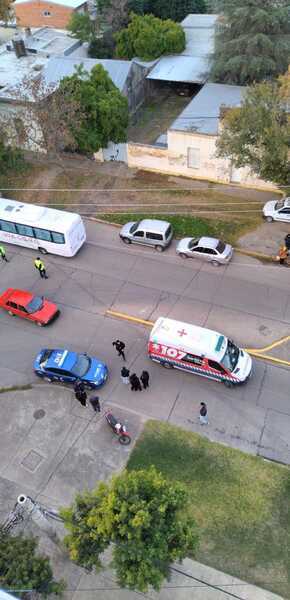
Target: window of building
46	13
193	158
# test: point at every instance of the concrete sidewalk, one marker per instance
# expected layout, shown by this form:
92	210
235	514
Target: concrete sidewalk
51	447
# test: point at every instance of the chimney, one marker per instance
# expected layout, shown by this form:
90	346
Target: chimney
19	46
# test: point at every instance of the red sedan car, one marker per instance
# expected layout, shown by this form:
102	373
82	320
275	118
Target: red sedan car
25	304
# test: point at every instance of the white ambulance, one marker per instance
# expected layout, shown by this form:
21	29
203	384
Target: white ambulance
198	350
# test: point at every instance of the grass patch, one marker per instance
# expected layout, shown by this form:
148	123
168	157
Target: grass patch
184	226
15	388
240	502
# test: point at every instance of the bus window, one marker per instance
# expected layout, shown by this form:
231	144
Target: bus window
25	230
57	238
42	234
6	226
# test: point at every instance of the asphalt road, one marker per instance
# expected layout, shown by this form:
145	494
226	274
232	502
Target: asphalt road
246	300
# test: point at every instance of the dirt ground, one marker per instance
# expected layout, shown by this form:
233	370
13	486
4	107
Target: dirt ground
91	188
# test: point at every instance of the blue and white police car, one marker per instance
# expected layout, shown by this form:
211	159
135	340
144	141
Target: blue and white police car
66	366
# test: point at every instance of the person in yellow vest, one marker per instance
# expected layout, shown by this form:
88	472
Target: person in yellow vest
41	268
3	253
282	254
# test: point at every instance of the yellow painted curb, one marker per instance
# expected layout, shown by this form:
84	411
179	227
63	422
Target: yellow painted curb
255	254
258	353
119	315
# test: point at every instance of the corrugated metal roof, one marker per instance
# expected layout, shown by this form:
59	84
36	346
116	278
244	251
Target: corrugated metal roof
59	67
202	113
199	20
67	3
183	69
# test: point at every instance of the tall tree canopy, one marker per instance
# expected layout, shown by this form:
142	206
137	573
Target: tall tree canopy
5	10
104	109
22	569
252	41
149	37
141	513
257	135
81	27
167	9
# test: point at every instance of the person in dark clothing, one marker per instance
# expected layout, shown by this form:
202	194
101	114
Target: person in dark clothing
81	396
79	386
95	403
135	383
120	347
203	416
125	373
145	379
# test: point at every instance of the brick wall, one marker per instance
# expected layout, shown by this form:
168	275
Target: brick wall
31	14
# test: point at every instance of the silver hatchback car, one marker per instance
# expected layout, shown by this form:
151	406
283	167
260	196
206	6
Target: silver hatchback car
205	248
150	232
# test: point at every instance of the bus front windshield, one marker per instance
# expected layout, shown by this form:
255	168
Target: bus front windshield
231	356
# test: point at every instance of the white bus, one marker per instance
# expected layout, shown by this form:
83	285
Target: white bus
44	229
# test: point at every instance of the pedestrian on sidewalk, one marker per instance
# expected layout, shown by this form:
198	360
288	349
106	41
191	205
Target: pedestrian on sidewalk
79	386
282	254
125	373
135	383
3	253
95	403
120	347
81	396
39	265
145	379
203	416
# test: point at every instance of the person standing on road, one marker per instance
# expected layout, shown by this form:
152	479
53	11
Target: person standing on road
125	373
95	403
135	383
79	386
120	347
40	267
145	379
203	417
282	254
81	396
3	253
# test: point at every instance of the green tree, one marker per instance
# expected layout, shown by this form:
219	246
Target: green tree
22	569
142	514
10	158
5	10
257	135
104	109
252	41
167	9
81	27
149	37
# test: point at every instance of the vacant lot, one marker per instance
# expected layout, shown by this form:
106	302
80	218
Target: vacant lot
95	189
240	502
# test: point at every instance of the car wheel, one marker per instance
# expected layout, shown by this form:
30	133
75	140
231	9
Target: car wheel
269	219
39	323
48	379
159	248
182	255
167	365
42	250
126	240
11	313
215	263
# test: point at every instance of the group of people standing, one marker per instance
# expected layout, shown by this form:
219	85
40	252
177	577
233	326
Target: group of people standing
135	381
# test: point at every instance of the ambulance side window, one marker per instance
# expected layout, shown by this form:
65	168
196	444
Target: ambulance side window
197	360
215	365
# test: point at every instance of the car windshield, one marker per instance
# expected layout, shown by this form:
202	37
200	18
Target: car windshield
193	243
134	227
279	204
231	356
81	365
44	358
221	247
34	305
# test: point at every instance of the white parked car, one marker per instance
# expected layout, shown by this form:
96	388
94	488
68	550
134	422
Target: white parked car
205	248
277	210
